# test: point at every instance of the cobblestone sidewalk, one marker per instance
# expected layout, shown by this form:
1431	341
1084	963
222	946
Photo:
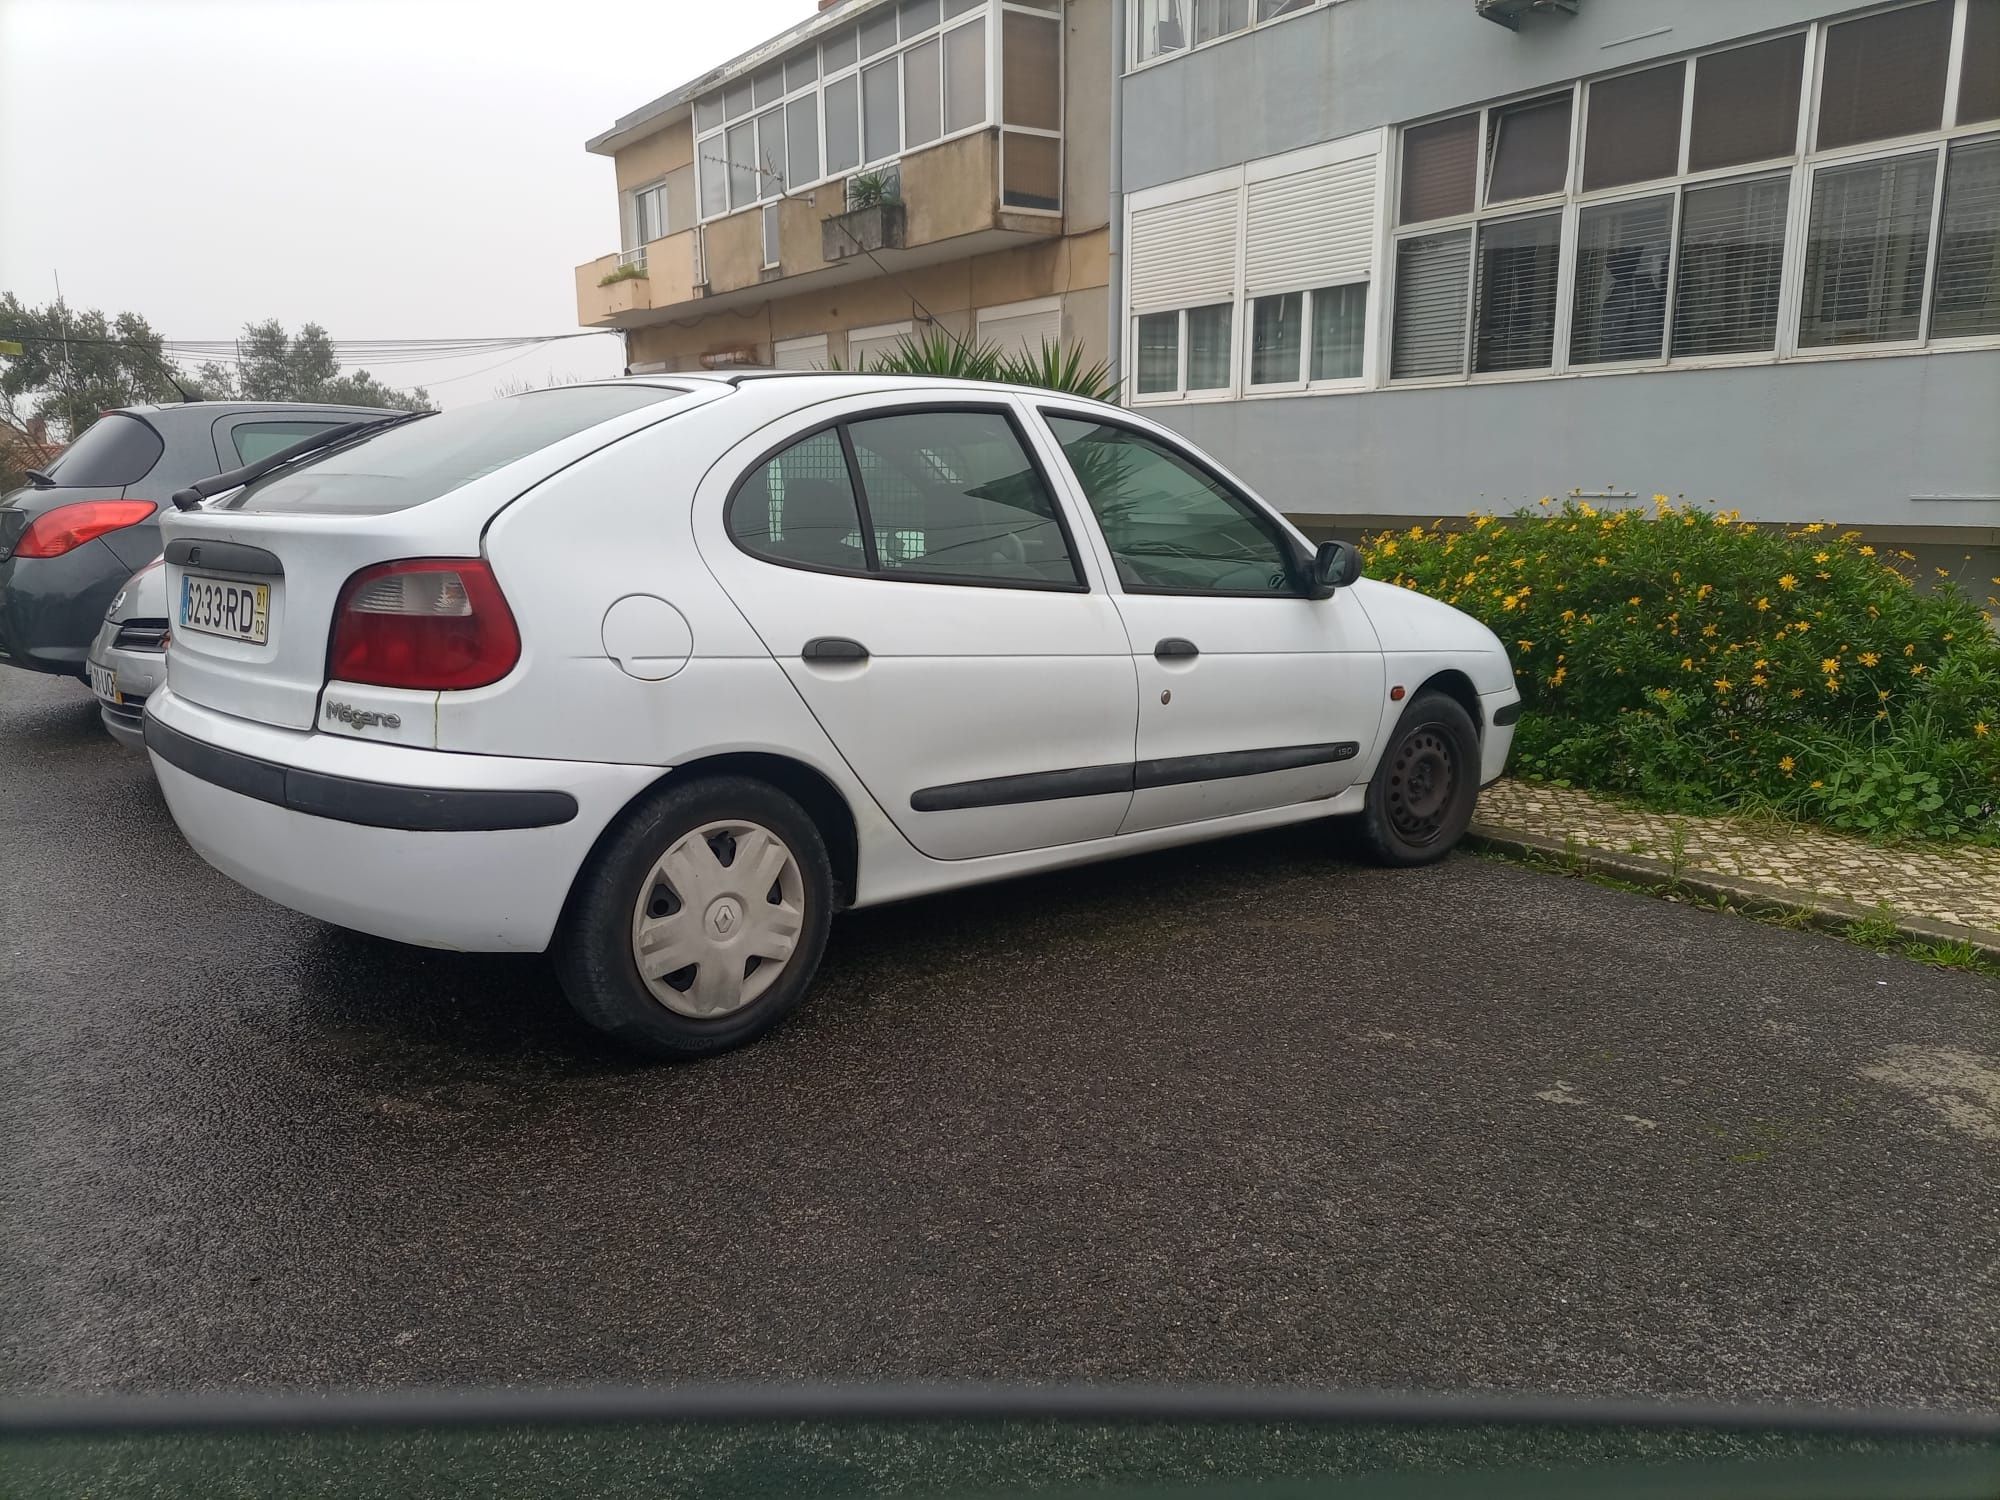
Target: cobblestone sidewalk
1957	886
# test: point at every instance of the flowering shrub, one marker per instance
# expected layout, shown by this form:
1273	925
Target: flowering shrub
1700	662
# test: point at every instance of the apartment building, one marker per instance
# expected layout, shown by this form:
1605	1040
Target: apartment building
884	167
1396	260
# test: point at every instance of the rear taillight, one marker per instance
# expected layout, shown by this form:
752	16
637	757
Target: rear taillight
429	623
68	527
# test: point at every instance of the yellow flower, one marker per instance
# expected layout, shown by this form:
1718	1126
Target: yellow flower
1480	523
1829	665
1917	669
1584	509
1759	664
1512	601
1818	784
1763	604
1687	663
1822	574
1663	694
1416	533
1881	713
1568	615
1557	679
1788	583
1468	580
1867	551
1980	729
1812	526
1833	684
1757	679
1723	684
1786	764
1820	556
1882	696
1910	649
1708	630
1633	600
1388	548
1525	645
1906	556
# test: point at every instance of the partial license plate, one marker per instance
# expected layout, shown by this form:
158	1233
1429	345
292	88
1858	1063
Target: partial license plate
222	606
104	683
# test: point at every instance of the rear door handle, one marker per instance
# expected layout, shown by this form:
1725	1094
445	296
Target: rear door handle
833	648
1173	646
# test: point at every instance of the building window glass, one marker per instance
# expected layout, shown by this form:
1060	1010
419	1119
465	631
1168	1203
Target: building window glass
1867	244
770	235
878	31
1966	301
1632	132
742	146
1528	149
1884	75
1979	71
801	68
768	87
964	76
1031	53
1732	258
1218	18
837	51
770	153
1515	294
880	128
801	142
1159	344
649	214
1031	174
923	96
1160	28
1433	291
1339	331
1746	104
843	124
1438	169
1277	338
1620	307
1208	347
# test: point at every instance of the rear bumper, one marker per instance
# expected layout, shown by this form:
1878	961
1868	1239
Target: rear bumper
468	852
51	607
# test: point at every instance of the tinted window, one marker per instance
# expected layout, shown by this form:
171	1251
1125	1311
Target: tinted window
1746	104
255	440
799	508
116	450
1884	75
409	465
1169	525
953	494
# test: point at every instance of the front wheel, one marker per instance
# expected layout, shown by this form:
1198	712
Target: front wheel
699	925
1421	798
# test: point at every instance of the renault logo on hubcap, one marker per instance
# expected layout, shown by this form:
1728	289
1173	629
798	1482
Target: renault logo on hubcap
723	917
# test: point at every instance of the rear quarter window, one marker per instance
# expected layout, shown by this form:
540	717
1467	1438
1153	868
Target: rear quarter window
257	440
116	450
409	465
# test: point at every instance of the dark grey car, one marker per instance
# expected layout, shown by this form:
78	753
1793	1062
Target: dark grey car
67	546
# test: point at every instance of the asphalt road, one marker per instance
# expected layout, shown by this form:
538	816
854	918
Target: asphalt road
1243	1113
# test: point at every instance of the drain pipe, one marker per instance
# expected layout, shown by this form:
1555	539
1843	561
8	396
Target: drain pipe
1115	259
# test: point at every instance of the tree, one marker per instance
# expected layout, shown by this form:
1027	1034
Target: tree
275	366
75	364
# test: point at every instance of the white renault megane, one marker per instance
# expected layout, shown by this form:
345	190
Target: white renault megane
662	672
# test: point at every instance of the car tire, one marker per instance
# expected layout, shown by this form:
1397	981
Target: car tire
668	885
1421	797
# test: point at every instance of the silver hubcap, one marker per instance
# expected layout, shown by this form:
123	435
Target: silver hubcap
717	920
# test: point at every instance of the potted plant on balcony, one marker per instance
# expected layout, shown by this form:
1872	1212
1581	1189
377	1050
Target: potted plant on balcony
631	271
873	220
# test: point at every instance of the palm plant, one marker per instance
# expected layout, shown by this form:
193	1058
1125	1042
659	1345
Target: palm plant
1054	367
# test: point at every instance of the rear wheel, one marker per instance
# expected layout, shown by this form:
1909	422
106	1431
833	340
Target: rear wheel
698	927
1422	795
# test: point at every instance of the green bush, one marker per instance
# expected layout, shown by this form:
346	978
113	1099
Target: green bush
1700	662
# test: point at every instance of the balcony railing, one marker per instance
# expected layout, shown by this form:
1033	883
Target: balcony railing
635	258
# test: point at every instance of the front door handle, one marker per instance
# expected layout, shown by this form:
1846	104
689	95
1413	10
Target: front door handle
833	648
1174	646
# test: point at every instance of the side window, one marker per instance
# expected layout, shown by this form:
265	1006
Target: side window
798	508
1171	527
954	494
256	440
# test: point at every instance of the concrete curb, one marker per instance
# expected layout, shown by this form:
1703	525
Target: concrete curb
1828	912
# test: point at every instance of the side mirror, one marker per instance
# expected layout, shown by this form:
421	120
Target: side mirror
1335	565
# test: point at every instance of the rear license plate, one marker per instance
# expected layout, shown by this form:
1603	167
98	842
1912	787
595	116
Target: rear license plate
222	606
104	683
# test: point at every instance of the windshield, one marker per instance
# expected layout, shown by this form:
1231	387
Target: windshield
406	466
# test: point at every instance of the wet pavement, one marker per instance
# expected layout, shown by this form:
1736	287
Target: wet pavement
1249	1112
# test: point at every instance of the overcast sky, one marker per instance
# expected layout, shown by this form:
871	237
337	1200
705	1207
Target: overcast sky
385	168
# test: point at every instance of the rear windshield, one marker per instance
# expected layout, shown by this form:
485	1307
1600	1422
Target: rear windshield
117	450
409	465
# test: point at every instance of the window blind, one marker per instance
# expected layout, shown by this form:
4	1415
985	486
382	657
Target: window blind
1529	152
1884	75
1732	260
1632	132
1967	296
1433	287
1020	330
1315	226
1184	253
1515	297
1620	310
1746	104
800	354
1438	166
1979	70
1867	242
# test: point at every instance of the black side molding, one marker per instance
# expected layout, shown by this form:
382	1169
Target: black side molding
344	799
1508	715
228	557
833	648
1099	781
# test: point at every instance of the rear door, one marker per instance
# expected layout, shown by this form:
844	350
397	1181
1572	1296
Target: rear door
910	566
1251	695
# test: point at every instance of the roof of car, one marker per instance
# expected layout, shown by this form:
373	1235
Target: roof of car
762	374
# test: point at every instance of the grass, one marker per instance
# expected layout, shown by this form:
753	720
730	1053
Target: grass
623	273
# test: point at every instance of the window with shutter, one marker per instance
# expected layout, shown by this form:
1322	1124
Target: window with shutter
1979	71
1732	259
1966	301
1867	239
1746	104
1515	294
1620	308
1312	226
800	354
1021	327
1527	149
1884	75
1339	331
1433	292
1439	163
1632	130
1277	339
1183	254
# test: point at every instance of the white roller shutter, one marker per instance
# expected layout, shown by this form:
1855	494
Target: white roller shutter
1184	254
800	354
1312	228
875	341
1021	327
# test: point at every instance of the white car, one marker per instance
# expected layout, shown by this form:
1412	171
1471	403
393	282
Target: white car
662	672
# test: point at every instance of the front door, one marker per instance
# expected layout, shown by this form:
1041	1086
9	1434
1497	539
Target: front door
910	568
1251	695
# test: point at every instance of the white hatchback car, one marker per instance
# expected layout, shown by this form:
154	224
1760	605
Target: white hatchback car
664	671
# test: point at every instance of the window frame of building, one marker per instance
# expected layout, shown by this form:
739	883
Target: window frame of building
710	150
1802	168
636	237
1141	13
